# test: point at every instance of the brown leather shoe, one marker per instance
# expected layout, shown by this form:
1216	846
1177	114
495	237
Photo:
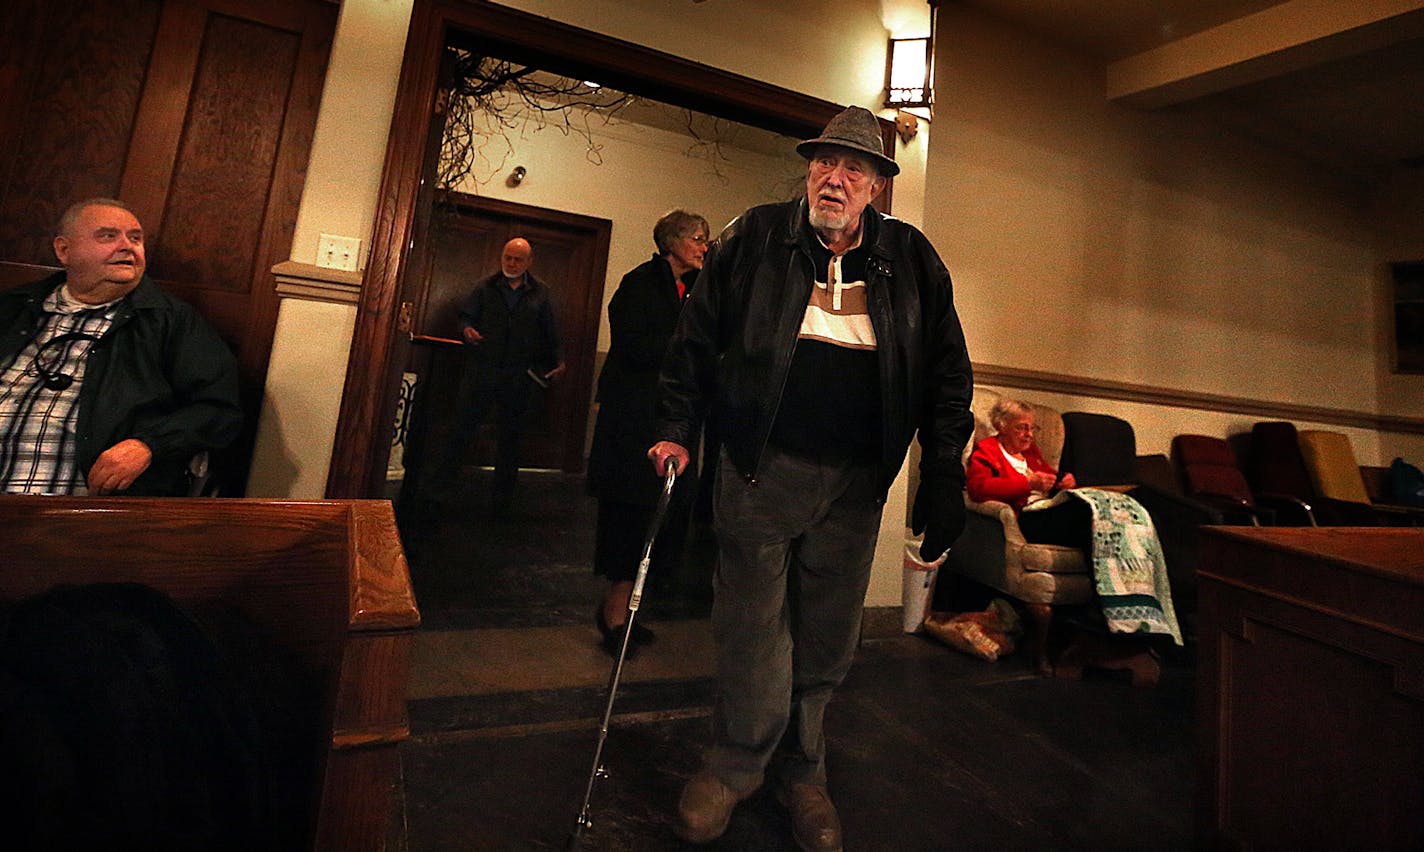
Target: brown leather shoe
814	821
706	807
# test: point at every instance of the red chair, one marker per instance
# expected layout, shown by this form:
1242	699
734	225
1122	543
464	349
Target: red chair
1210	473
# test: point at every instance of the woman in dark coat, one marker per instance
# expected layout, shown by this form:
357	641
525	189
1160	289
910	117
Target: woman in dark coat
641	318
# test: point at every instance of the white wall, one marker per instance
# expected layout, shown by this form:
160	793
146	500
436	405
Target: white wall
832	51
302	393
349	146
303	396
1098	241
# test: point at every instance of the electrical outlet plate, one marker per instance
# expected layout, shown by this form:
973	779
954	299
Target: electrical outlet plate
335	252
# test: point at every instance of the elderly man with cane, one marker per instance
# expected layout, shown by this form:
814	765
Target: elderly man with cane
821	338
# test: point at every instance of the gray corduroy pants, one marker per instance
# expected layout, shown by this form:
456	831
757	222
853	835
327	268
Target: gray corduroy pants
794	555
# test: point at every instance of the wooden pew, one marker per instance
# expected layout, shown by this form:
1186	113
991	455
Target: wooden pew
325	582
1310	688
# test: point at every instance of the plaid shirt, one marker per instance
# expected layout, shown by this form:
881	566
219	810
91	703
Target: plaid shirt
37	440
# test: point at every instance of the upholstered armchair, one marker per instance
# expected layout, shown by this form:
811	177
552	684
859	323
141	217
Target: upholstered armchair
1330	460
993	551
1276	465
1210	473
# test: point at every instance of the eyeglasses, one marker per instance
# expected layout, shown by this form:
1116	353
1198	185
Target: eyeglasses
1023	429
696	238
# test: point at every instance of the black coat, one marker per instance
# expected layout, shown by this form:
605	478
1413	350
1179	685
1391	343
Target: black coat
514	339
641	318
735	339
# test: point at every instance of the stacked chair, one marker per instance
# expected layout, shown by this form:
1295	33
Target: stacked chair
1210	473
1277	465
1330	460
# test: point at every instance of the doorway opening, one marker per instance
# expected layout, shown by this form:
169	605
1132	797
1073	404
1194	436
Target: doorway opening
372	390
582	171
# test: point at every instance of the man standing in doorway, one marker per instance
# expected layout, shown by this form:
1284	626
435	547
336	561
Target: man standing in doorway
822	336
512	345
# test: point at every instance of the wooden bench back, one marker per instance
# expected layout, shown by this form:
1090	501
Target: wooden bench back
324	580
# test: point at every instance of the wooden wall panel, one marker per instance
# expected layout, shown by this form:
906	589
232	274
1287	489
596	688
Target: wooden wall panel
216	204
77	70
197	113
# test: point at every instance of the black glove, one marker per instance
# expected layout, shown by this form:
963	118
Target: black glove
938	513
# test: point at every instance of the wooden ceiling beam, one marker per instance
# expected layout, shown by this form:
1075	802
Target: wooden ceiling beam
1284	38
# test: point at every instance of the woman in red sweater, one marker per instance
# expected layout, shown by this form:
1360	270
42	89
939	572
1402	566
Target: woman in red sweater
1008	467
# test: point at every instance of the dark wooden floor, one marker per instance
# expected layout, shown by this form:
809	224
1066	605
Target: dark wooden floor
930	749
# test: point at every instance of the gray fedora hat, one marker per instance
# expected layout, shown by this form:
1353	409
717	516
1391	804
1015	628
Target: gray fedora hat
855	128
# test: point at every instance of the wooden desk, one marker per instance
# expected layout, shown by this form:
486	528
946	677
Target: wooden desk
1310	692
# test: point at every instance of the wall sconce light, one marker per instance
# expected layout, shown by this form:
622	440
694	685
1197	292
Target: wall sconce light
907	125
908	72
516	177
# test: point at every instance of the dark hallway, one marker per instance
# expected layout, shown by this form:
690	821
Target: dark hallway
930	748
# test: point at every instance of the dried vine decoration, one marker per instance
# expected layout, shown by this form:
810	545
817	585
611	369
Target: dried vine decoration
491	98
712	137
491	101
709	146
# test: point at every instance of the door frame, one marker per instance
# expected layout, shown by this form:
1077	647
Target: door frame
371	391
579	359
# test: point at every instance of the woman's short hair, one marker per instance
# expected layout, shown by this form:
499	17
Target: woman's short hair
675	225
1007	409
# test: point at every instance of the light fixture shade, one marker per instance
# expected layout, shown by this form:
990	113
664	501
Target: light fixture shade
907	72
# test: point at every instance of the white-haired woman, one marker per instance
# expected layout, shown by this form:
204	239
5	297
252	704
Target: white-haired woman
641	318
1009	467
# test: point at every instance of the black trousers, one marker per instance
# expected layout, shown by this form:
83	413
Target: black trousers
512	396
1069	523
623	529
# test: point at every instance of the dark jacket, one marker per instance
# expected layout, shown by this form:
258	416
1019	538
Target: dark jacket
736	335
514	340
641	318
160	374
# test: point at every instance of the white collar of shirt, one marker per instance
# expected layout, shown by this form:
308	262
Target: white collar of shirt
62	301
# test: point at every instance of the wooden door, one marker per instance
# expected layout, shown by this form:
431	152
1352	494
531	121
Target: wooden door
197	113
570	255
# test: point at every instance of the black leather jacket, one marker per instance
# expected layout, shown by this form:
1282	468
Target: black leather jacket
735	338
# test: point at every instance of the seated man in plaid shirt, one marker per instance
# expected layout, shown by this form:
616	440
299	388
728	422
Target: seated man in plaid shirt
108	385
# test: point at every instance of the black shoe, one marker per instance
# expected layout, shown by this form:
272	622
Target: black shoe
612	641
643	635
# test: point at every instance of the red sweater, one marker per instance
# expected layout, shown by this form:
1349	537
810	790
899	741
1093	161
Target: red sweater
990	476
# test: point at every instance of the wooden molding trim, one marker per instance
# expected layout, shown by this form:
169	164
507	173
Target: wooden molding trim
1015	377
312	283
